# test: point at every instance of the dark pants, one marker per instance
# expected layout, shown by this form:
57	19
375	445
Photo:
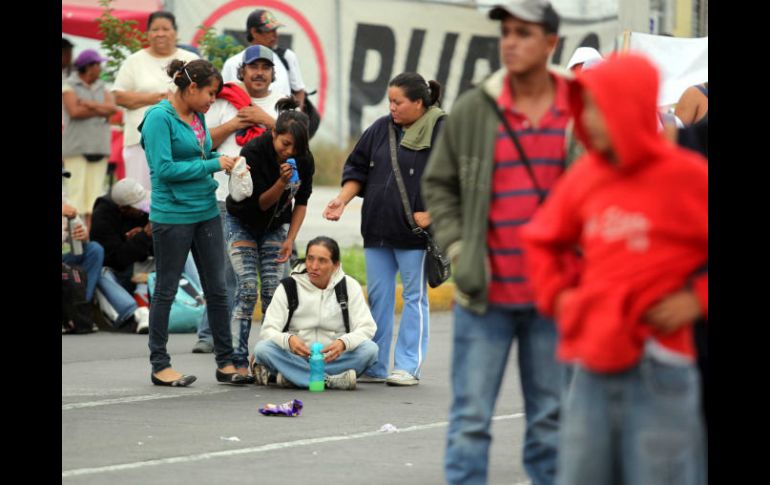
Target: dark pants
171	243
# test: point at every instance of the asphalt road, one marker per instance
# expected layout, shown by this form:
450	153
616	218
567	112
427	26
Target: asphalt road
117	428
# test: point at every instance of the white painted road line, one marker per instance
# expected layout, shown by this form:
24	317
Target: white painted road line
258	449
130	399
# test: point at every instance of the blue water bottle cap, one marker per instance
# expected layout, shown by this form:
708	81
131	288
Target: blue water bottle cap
316	347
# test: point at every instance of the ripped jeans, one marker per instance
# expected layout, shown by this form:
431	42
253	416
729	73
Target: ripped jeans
250	257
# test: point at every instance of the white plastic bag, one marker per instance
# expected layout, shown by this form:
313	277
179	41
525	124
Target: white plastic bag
240	184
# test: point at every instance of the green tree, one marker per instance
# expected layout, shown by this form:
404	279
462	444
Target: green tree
217	48
121	39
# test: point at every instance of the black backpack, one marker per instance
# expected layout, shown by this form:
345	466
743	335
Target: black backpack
340	289
76	310
310	109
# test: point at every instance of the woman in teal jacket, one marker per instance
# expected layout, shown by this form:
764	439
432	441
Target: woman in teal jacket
184	213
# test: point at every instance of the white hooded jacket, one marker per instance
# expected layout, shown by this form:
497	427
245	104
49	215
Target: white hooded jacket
318	318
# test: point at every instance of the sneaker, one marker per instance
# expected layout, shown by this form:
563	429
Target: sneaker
281	381
367	379
203	347
401	378
261	374
142	317
345	381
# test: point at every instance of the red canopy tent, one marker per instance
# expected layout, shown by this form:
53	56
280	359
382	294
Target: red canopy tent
78	17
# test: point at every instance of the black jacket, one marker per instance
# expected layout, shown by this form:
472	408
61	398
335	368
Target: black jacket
383	220
265	170
109	227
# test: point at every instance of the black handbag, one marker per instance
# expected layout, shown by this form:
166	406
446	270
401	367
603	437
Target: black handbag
437	267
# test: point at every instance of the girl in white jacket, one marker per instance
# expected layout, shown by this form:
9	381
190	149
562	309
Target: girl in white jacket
318	318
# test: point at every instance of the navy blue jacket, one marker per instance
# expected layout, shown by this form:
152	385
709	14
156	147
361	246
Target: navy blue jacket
383	220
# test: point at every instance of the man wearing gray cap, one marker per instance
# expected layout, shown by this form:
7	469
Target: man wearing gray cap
503	148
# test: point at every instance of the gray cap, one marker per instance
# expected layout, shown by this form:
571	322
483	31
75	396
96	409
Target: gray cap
129	192
537	11
255	52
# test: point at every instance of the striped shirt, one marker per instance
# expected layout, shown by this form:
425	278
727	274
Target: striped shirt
514	197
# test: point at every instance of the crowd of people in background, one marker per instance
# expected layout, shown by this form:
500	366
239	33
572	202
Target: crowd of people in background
573	209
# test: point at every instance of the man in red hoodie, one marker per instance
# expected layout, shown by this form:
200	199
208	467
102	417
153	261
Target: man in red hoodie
638	207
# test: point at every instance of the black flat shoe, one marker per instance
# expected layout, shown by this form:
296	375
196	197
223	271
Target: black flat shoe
183	381
233	378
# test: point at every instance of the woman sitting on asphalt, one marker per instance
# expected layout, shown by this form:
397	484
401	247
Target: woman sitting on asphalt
283	351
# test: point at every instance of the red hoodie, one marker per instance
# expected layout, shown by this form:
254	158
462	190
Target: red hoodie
642	225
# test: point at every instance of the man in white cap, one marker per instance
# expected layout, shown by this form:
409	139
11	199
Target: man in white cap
122	227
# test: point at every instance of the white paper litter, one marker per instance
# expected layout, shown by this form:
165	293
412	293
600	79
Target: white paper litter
388	428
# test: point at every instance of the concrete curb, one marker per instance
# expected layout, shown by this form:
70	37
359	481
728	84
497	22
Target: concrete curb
439	299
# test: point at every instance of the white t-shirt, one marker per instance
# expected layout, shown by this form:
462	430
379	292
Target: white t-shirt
220	113
143	73
284	82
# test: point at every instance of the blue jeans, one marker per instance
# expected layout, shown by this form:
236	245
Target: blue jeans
412	343
171	244
258	258
91	261
297	369
481	345
120	299
204	330
640	426
230	280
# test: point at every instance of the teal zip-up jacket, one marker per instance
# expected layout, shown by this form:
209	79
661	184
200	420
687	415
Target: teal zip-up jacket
183	189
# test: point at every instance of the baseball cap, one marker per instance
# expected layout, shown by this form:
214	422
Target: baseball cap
582	55
263	21
88	56
537	11
256	52
129	192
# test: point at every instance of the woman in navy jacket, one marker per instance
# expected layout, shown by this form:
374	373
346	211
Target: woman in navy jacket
389	244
